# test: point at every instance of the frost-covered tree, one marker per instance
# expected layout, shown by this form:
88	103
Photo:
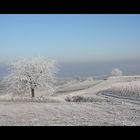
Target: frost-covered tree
116	72
29	74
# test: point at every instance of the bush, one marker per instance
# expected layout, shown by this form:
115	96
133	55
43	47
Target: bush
74	98
68	99
79	99
116	72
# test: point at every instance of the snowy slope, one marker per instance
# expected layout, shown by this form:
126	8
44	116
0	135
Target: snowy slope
68	114
103	112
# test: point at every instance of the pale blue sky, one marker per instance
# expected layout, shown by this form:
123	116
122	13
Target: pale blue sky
71	37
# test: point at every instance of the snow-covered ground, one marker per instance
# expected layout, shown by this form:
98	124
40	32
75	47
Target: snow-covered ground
67	114
55	111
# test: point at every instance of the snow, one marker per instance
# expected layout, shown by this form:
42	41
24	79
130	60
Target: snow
71	114
55	111
129	89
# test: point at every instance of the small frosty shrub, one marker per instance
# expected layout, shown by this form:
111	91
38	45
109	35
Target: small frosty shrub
116	72
77	98
68	99
74	98
80	99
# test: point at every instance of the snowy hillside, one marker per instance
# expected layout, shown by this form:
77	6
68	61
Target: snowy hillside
103	110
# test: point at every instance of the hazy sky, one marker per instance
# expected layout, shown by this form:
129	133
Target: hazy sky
71	37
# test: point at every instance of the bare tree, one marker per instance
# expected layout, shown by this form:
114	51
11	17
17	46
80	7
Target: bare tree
28	74
116	72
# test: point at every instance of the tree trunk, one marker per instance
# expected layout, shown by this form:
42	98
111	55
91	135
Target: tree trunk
33	92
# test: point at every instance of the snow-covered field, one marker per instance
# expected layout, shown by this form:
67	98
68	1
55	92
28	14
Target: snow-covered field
104	110
67	114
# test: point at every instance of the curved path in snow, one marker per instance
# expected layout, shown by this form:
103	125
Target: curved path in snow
89	91
96	91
